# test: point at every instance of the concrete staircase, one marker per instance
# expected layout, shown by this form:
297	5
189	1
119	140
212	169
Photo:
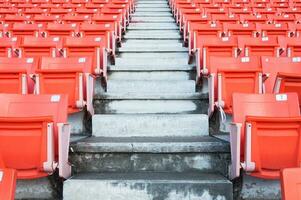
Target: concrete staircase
150	137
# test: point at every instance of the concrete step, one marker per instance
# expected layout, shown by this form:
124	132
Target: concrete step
256	188
153	34
149	125
158	5
152	26
150	75
42	188
132	45
147	186
153	19
151	106
157	154
151	2
152	14
166	61
186	86
153	49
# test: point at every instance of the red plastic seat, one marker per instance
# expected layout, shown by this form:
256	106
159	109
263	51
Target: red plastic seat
196	29
21	29
262	46
45	19
67	76
88	46
190	18
292	45
106	31
265	134
34	136
239	29
39	46
7	46
57	30
290	183
284	74
273	29
213	46
15	75
8	179
230	75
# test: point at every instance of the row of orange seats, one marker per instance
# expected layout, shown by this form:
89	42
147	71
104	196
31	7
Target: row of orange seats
56	62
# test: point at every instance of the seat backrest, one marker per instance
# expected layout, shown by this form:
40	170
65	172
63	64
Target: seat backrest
64	76
21	29
272	29
38	115
15	75
290	183
55	29
292	45
261	46
239	29
8	180
262	105
39	46
273	66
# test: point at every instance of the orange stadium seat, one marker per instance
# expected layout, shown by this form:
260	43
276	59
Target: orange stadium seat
88	46
46	139
265	140
226	73
39	46
283	74
57	30
290	183
213	46
8	179
261	46
15	75
67	76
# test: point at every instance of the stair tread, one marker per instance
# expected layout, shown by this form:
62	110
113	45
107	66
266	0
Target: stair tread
151	144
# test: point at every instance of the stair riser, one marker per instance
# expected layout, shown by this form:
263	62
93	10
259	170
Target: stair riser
152	125
139	162
150	106
150	76
144	190
41	188
187	86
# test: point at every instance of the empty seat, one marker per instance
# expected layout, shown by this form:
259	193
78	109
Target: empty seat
39	46
213	46
265	134
291	45
55	29
290	183
8	179
7	46
248	29
15	75
21	29
67	76
88	46
284	74
230	75
106	31
34	136
196	29
272	29
261	46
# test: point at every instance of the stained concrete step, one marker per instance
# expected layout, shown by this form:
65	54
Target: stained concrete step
186	86
150	11
160	5
152	26
151	106
152	14
147	186
156	154
153	34
166	61
42	188
150	75
152	19
149	125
